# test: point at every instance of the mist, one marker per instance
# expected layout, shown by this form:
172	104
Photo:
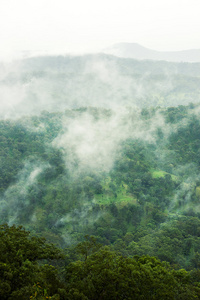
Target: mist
93	136
91	139
15	200
57	83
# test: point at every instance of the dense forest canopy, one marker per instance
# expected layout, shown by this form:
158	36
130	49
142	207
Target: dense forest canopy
129	177
115	184
34	269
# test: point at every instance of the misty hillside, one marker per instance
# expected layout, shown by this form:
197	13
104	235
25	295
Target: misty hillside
136	51
130	177
100	156
57	83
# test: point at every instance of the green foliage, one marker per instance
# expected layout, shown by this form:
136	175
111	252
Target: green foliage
19	257
101	274
108	275
152	185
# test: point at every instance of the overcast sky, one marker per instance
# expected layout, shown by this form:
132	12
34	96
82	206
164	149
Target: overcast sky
78	26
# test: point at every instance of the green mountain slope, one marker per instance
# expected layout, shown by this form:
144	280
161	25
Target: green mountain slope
129	177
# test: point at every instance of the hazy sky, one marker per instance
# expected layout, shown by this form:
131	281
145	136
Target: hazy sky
79	26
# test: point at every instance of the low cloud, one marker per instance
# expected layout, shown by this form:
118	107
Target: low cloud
15	198
90	142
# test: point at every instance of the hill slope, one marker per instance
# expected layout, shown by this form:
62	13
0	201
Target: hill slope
136	51
57	83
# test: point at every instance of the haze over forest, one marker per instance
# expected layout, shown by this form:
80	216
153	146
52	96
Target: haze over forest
56	83
99	150
105	147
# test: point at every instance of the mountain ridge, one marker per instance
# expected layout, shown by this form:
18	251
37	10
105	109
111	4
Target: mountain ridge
137	51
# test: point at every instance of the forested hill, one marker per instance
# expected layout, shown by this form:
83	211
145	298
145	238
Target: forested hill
129	177
57	83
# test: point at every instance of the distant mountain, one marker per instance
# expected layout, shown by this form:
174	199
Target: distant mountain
136	51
